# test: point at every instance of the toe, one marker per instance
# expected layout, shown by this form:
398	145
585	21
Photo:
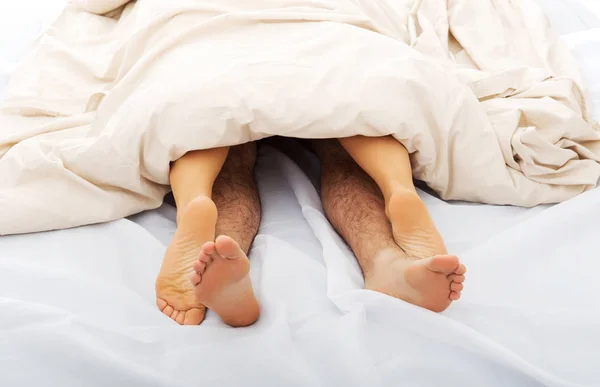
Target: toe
168	311
199	266
456	287
194	316
454	296
456	278
442	263
195	279
206	259
209	248
228	248
180	318
461	270
162	304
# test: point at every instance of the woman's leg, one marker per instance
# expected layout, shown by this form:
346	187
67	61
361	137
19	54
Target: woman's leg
192	178
387	162
194	175
385	159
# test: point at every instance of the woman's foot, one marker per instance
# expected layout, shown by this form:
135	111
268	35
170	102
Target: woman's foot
432	283
421	273
174	293
413	228
221	282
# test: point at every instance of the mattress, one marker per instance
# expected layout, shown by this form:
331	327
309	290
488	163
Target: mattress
78	305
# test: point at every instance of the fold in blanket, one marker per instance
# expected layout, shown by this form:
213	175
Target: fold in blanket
483	95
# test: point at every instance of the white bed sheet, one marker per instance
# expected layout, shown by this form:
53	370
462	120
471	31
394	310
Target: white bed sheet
78	305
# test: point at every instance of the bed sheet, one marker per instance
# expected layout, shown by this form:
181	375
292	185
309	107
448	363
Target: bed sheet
78	305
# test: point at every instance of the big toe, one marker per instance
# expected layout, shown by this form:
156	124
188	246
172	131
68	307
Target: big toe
228	248
442	263
162	304
194	316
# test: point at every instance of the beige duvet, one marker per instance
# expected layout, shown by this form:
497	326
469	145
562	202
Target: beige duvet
484	96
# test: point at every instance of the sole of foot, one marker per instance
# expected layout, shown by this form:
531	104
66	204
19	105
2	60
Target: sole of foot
431	283
222	282
174	294
414	230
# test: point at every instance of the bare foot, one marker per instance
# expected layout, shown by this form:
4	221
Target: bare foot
421	273
222	283
432	283
174	293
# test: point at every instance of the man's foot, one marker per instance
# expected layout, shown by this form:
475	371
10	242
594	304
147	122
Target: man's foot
174	293
432	283
222	283
413	228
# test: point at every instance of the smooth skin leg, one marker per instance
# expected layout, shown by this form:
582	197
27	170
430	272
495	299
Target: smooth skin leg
355	206
194	175
193	178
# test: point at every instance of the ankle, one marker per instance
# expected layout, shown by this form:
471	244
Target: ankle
396	188
397	191
183	203
402	188
382	260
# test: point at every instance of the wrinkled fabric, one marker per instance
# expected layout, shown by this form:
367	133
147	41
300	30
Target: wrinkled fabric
483	95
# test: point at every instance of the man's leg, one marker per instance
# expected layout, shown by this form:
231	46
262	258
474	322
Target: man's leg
194	177
236	196
356	208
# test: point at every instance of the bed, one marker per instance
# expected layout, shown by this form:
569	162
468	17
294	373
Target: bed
78	305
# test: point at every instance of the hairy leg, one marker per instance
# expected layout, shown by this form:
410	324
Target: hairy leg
236	196
387	162
356	208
